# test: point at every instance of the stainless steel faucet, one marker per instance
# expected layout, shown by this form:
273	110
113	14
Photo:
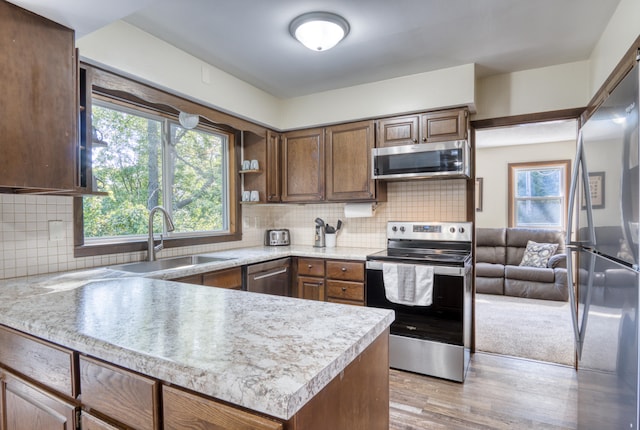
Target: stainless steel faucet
151	249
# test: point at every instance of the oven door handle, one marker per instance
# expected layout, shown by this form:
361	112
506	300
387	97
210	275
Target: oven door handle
437	270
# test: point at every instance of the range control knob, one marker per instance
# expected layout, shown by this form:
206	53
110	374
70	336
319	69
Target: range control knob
402	229
452	230
461	230
394	228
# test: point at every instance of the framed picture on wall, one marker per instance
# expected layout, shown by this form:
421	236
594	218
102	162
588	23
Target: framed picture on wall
596	189
478	194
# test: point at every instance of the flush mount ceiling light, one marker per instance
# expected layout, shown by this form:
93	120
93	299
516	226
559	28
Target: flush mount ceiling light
319	31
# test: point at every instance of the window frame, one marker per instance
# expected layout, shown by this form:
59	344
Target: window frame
128	93
513	168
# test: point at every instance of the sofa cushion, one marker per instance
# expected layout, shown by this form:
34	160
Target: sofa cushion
533	274
491	237
536	290
538	254
489	270
490	285
517	239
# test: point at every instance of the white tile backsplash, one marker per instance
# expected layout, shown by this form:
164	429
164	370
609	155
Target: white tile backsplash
26	248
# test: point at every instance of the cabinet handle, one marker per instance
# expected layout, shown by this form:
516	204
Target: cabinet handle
414	140
344	289
309	266
424	139
344	269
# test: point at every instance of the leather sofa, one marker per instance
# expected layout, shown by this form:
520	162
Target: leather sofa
499	252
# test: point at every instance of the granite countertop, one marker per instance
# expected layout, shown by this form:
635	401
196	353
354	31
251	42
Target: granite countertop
266	353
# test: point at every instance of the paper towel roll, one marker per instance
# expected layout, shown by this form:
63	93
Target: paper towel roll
358	210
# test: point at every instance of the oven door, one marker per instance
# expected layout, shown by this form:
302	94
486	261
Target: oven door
443	321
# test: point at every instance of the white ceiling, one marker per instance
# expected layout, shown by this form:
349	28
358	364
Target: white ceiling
388	38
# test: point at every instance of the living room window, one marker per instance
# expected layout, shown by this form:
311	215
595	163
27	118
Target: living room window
538	194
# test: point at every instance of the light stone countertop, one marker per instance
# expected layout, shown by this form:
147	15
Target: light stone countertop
266	353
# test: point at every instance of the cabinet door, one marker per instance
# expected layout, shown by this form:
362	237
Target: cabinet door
27	407
444	125
348	152
398	131
303	169
228	278
274	166
90	422
38	110
311	288
193	279
184	410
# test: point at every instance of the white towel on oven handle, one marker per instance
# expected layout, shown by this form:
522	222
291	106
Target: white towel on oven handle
396	278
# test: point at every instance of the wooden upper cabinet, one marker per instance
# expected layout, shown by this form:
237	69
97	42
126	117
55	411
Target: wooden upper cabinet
38	113
274	166
348	152
428	127
445	125
398	131
303	166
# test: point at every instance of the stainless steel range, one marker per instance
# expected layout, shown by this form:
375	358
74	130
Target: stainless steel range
430	337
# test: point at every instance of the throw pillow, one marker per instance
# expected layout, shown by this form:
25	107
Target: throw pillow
538	254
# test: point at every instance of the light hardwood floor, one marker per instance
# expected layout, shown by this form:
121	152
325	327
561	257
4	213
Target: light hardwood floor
499	392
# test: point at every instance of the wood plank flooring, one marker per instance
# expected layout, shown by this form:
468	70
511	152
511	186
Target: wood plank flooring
499	392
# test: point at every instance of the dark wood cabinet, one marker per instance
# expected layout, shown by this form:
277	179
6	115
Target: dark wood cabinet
183	410
38	113
345	282
348	167
397	131
227	278
25	406
429	127
274	167
303	166
444	125
117	393
310	279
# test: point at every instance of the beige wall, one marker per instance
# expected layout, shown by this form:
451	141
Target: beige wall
492	167
621	32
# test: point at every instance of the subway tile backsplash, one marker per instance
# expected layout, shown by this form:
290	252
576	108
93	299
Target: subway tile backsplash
36	232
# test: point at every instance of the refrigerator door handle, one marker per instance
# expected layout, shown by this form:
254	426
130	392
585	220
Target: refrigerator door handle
573	305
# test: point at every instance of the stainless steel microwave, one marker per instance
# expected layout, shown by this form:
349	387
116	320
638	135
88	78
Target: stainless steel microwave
425	160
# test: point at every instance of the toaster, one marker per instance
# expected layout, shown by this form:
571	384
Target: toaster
277	237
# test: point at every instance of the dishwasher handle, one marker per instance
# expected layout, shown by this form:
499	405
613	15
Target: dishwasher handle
270	274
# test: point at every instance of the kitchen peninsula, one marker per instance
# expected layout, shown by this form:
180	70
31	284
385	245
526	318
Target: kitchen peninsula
288	362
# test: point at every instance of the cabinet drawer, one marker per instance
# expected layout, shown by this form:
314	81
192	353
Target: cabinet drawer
182	410
228	278
90	422
193	279
345	270
345	290
345	302
48	364
130	398
311	267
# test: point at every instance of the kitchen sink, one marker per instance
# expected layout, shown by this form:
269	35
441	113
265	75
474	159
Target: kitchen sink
167	263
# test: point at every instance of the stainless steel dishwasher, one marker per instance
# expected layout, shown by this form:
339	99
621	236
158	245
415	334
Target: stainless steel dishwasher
270	277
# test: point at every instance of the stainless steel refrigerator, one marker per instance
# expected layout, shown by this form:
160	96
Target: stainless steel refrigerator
604	255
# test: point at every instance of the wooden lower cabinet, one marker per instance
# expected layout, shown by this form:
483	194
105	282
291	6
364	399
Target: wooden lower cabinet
226	278
311	288
183	410
27	407
91	422
345	282
124	396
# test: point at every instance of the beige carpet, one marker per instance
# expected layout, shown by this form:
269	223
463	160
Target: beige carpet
529	328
